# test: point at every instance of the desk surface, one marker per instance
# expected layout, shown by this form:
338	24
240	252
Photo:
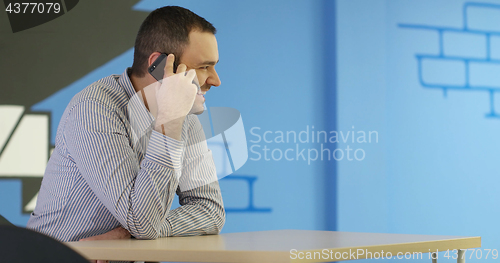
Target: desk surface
270	246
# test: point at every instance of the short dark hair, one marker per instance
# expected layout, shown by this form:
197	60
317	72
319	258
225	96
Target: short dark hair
166	30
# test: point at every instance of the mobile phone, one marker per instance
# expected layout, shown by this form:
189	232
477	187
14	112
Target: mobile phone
157	69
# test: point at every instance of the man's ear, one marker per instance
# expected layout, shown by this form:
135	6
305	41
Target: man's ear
153	57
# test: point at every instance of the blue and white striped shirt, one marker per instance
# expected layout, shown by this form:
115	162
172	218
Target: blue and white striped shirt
101	176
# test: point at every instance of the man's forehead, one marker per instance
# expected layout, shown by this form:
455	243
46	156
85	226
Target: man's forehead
202	49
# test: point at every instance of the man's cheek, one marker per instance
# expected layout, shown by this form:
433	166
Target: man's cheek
201	77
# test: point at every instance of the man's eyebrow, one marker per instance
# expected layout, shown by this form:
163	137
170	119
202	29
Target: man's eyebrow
212	63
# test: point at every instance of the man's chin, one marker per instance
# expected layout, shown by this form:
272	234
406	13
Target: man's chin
197	111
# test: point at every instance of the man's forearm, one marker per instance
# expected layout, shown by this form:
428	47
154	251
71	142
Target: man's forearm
202	214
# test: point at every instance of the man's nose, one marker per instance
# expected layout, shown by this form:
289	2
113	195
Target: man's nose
214	79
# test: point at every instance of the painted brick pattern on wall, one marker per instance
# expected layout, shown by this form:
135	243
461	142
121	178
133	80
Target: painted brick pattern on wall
468	58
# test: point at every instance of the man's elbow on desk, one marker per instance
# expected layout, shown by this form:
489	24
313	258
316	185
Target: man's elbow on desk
218	215
211	224
219	218
145	234
149	231
148	236
214	229
221	221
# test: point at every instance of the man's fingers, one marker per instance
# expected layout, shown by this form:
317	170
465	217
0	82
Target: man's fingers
181	68
169	66
191	74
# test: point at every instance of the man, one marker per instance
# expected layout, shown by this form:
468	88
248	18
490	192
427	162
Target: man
104	180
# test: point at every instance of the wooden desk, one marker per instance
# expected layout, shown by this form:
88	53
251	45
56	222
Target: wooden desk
271	246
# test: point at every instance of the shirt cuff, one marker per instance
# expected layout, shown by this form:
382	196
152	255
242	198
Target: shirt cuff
165	150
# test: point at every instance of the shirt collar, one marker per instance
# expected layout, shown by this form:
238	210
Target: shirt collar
124	81
140	118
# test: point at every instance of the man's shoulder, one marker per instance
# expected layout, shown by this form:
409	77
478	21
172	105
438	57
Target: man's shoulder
106	91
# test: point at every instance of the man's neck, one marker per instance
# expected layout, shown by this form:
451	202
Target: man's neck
147	95
139	83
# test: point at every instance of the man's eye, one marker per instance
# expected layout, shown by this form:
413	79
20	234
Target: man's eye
206	67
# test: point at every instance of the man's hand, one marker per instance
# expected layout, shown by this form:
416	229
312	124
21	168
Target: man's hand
117	233
175	98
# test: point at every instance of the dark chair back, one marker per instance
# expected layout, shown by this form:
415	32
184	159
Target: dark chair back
23	245
4	221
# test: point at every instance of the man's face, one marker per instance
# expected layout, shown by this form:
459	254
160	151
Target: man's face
202	54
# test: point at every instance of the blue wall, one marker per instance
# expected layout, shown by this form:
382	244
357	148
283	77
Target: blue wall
435	167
